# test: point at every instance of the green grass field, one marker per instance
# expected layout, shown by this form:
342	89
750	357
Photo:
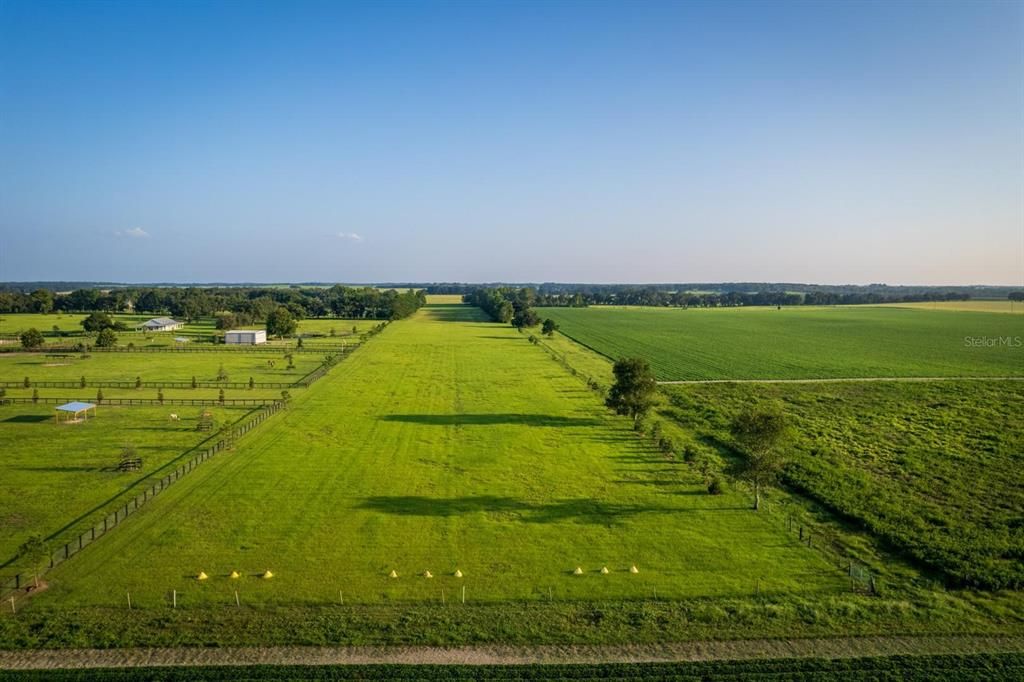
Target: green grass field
979	305
933	468
765	343
239	366
57	480
447	443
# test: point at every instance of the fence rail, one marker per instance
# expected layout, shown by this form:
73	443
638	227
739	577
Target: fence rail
111	520
250	402
219	348
148	384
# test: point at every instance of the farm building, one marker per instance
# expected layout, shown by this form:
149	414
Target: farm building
161	324
245	337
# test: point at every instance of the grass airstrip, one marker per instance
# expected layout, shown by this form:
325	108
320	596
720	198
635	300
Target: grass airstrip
447	444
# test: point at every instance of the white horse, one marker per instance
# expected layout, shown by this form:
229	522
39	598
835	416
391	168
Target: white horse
174	417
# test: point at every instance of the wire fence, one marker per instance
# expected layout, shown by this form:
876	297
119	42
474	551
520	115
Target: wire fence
113	519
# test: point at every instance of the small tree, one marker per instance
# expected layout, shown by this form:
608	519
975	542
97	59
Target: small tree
220	397
32	338
298	344
252	383
549	327
281	323
138	382
759	434
99	395
35	554
35	395
160	395
81	383
194	382
222	375
633	392
291	361
27	383
106	338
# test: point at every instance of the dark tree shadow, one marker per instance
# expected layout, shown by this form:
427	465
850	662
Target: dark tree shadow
490	419
28	419
578	510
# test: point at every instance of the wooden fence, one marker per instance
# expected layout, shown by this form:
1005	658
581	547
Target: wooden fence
111	520
199	402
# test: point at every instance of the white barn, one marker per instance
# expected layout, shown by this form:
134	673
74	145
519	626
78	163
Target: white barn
161	324
245	337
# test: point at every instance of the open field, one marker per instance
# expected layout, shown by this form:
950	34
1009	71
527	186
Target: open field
108	366
977	305
932	468
56	480
316	330
448	443
765	343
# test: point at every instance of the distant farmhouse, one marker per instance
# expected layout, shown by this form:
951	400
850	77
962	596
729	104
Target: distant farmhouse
245	337
161	324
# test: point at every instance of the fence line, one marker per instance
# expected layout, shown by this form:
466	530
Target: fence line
219	348
148	384
111	520
252	402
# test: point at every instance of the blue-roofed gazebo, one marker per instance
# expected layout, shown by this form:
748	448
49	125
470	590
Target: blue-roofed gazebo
74	411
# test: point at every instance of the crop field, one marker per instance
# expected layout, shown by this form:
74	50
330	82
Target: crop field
935	469
978	305
70	470
794	343
115	366
445	444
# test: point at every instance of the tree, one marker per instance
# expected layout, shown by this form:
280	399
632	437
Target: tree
281	322
525	317
98	322
1016	296
550	327
42	300
633	392
106	339
32	338
35	552
760	433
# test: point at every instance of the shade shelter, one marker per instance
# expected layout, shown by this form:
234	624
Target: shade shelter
74	411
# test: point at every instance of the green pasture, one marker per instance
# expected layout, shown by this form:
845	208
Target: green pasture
114	366
977	305
766	343
933	468
58	479
446	443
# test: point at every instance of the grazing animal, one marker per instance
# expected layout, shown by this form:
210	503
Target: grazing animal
174	417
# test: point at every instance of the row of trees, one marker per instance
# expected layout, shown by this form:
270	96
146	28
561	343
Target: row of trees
689	299
191	303
758	434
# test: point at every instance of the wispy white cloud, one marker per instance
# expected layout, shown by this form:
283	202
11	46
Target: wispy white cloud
133	232
350	236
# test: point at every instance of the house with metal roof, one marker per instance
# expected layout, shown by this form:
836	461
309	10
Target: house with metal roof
161	324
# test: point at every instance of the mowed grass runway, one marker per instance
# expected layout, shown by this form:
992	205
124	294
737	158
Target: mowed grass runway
802	343
445	443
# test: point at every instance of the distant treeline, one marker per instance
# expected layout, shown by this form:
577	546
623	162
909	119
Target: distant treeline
501	303
888	292
246	304
690	299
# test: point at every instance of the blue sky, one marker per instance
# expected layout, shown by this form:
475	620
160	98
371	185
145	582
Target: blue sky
517	141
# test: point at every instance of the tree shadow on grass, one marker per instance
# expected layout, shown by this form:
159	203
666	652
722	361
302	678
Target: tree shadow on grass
490	419
577	510
28	419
